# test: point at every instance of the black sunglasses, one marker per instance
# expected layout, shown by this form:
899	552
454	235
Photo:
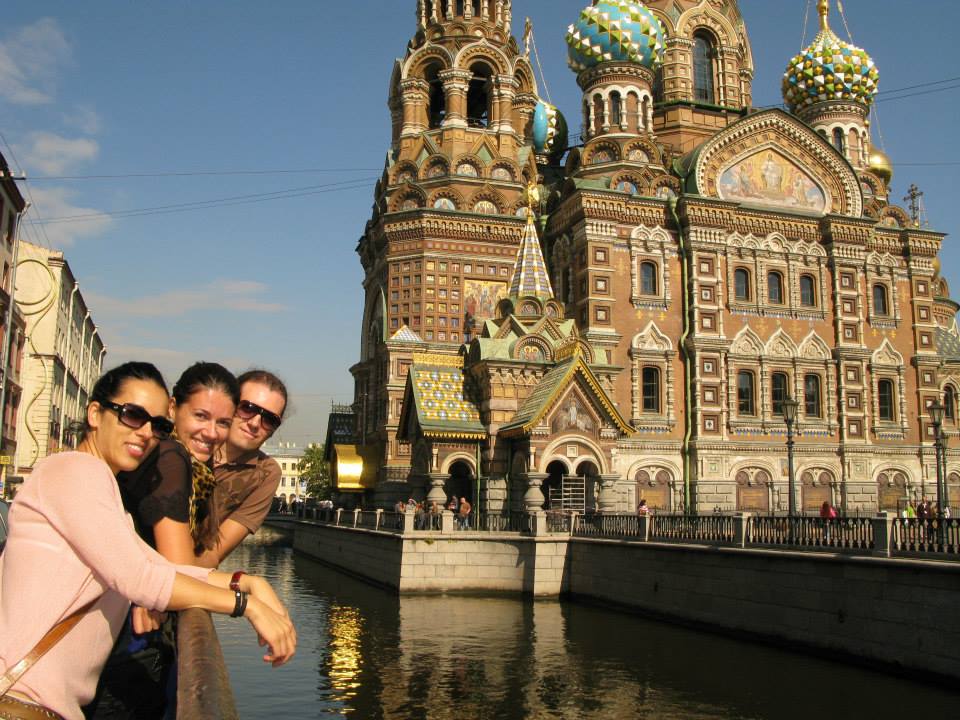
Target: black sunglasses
134	416
248	410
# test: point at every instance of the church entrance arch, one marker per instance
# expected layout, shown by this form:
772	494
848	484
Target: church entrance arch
591	487
553	486
460	482
815	490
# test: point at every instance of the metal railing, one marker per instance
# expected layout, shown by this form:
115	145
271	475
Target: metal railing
932	535
704	528
847	533
883	534
203	685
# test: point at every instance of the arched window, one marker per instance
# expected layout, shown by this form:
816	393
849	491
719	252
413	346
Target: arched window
459	8
651	389
476	8
478	96
745	393
703	69
778	391
437	110
644	113
775	288
588	127
648	278
949	403
812	405
885	400
616	109
880	304
808	298
839	141
599	117
741	284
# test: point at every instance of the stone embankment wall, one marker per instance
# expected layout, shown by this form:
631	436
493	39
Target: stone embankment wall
896	613
464	562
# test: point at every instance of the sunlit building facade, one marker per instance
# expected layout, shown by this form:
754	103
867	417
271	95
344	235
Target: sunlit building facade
587	324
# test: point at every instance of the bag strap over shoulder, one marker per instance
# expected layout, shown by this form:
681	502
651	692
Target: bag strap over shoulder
53	636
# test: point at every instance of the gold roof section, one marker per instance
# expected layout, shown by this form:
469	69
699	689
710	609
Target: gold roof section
354	468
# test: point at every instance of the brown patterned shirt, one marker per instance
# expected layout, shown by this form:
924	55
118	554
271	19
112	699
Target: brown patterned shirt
245	490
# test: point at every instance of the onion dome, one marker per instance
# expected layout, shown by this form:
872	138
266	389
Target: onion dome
549	130
618	31
830	69
879	164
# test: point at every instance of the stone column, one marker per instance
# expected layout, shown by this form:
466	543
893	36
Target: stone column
414	98
505	89
883	539
455	86
533	499
437	494
608	495
741	523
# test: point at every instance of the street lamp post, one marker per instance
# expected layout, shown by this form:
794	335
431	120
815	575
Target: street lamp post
789	416
936	411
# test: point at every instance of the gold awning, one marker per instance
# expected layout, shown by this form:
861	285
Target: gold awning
353	468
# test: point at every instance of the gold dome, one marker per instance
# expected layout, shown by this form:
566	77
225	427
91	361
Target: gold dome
880	165
936	267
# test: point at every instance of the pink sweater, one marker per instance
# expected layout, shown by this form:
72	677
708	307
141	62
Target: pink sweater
71	541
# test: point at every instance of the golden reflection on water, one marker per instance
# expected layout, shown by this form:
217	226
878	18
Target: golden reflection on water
345	657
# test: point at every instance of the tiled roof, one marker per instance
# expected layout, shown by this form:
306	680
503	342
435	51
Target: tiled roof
405	334
948	344
530	271
443	409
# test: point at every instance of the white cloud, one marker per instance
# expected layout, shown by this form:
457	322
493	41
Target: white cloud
85	119
29	60
217	295
57	202
47	153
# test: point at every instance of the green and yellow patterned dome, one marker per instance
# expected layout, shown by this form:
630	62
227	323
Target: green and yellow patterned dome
830	69
615	30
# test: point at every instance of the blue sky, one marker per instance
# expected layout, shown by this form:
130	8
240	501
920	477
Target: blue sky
293	95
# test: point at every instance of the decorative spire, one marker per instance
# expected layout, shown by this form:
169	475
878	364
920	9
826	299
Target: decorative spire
824	7
530	271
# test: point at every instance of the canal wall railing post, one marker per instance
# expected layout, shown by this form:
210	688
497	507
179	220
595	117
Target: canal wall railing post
409	516
741	529
446	522
883	543
538	523
379	520
356	517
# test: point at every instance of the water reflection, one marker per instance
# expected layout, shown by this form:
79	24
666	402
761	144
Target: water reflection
365	653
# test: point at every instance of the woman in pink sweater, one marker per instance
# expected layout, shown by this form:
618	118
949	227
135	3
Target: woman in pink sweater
71	543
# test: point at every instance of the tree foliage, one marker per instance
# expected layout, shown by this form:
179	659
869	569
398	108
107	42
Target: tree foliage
316	471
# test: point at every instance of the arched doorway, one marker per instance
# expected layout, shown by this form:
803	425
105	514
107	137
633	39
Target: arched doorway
815	490
460	482
553	485
752	490
591	488
953	492
653	485
891	491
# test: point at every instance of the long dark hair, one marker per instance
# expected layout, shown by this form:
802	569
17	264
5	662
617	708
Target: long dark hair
206	376
110	383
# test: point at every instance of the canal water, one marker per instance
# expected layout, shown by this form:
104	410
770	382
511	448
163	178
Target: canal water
366	653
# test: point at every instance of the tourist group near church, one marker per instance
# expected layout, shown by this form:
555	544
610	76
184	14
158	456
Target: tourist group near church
635	312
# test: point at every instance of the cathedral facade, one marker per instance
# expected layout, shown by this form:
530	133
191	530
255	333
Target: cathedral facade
585	327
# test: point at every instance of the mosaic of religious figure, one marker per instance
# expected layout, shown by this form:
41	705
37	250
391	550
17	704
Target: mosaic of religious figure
480	297
572	416
768	178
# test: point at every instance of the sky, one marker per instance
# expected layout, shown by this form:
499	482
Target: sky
208	167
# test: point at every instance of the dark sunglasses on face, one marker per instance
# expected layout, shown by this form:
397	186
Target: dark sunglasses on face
135	417
247	410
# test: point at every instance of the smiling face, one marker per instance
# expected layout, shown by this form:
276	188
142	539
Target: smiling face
202	421
249	435
122	447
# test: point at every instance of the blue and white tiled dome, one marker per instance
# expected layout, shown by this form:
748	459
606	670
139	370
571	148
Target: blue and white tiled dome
549	130
615	30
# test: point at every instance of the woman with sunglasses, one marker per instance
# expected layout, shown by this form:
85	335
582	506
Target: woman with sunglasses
170	498
71	545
